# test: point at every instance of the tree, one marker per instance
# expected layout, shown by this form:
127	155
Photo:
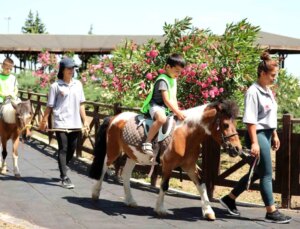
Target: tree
34	24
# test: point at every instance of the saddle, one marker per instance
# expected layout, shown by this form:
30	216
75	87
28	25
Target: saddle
136	130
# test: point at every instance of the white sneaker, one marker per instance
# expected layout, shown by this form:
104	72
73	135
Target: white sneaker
147	148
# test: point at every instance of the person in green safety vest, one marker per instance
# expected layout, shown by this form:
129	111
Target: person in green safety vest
8	82
163	99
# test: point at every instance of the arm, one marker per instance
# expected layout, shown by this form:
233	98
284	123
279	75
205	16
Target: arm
275	141
83	115
173	107
44	123
255	150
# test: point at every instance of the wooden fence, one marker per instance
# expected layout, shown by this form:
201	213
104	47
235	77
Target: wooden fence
287	166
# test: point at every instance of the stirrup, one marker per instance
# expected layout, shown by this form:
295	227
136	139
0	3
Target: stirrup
147	148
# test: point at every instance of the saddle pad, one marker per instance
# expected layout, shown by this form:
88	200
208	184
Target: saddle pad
132	133
136	129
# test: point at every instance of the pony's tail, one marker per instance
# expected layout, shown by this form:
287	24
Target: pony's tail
99	151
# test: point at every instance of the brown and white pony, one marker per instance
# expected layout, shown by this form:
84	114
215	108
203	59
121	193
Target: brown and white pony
180	150
15	121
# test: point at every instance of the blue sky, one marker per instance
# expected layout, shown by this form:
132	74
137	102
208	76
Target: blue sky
141	17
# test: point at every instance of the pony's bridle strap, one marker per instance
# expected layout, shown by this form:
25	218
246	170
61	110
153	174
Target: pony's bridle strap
225	138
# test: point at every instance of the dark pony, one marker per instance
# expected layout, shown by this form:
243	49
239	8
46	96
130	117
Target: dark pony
180	149
15	121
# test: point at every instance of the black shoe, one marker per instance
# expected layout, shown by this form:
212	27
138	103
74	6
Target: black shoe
229	204
277	217
67	183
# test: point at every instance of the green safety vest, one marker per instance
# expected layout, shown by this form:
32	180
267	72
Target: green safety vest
172	92
8	87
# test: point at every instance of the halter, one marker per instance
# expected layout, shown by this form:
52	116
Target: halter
225	140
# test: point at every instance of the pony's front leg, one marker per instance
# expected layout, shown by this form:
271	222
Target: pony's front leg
98	186
207	211
126	175
15	157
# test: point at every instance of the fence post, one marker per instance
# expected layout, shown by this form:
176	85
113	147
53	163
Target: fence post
286	161
117	108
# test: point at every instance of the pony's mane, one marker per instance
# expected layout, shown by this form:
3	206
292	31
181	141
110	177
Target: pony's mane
227	107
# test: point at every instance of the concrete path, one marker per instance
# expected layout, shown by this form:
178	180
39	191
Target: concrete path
39	200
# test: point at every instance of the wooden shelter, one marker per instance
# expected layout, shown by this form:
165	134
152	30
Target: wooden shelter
24	45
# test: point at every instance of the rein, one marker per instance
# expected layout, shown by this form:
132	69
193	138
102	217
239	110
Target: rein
64	130
26	127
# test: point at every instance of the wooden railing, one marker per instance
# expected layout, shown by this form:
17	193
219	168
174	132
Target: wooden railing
287	168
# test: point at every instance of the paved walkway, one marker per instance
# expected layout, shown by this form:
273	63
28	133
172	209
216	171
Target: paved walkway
39	200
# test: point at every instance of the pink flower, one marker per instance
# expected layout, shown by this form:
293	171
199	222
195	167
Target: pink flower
148	61
224	70
83	79
216	78
212	93
149	76
107	71
142	85
161	71
203	65
153	53
214	71
204	85
221	90
205	94
93	78
104	84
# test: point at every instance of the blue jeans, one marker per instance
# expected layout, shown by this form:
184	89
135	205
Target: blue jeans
263	170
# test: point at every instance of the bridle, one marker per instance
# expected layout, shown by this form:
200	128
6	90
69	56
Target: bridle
225	143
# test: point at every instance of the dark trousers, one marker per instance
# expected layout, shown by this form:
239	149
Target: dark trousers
263	171
67	143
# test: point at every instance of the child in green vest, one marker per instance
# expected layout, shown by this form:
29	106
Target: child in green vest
8	82
163	99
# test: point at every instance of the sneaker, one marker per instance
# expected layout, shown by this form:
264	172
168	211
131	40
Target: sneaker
147	148
277	217
67	183
229	204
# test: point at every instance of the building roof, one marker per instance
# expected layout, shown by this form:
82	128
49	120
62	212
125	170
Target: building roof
279	44
94	44
103	44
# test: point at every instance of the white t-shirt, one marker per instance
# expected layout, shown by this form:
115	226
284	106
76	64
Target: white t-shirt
260	108
65	100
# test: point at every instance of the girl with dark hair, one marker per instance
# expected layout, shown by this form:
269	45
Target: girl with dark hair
260	116
65	99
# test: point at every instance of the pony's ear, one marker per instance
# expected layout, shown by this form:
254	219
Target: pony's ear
219	106
210	113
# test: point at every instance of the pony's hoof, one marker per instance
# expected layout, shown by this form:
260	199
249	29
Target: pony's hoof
17	175
161	212
3	171
131	204
210	217
95	197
